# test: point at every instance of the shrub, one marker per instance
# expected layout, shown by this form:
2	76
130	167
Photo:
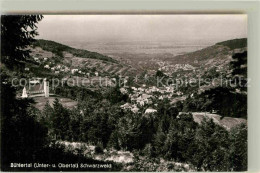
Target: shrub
99	148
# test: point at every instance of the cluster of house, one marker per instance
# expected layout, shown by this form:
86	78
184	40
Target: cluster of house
176	67
58	68
40	55
143	96
40	59
62	68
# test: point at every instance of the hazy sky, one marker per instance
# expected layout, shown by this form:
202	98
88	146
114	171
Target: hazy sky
63	28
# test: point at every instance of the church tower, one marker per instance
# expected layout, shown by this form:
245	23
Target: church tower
46	87
24	95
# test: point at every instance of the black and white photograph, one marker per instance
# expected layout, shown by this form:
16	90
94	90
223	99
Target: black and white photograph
124	92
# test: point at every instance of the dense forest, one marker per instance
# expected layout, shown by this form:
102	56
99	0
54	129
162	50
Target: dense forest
101	122
235	43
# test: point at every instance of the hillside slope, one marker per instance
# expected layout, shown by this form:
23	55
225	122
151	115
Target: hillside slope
58	49
215	58
219	53
226	122
235	43
53	54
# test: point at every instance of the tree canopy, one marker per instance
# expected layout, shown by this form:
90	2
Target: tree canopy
17	33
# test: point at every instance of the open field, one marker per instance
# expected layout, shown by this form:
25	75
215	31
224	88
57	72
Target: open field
66	102
227	122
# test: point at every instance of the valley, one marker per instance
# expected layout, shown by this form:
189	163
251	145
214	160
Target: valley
83	83
124	93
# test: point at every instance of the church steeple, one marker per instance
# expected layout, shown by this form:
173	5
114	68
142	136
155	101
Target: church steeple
46	87
24	95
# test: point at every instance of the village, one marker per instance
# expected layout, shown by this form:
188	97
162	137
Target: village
143	97
147	96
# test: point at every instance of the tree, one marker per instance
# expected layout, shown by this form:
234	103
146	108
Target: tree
225	100
133	131
180	138
159	140
211	147
22	137
239	70
75	125
159	73
17	33
60	120
114	95
238	148
46	114
239	64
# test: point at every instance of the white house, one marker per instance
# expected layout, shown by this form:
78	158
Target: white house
58	67
126	106
179	93
47	66
66	69
135	109
141	103
35	81
74	70
123	90
150	110
134	88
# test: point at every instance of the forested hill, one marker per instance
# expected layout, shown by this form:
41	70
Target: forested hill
235	43
58	50
217	54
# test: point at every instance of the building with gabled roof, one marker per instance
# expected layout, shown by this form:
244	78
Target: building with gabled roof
39	89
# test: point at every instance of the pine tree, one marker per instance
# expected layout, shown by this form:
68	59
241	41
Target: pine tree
22	137
239	70
60	120
17	33
238	148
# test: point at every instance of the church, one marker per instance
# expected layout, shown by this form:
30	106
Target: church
38	89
